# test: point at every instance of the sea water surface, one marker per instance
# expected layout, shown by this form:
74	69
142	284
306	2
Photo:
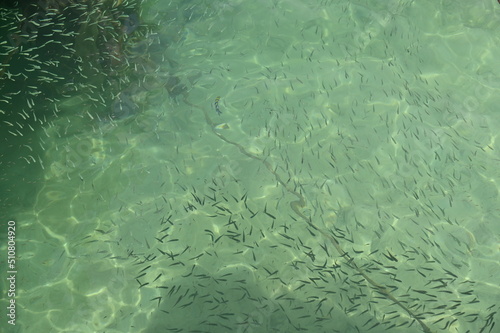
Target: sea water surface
350	183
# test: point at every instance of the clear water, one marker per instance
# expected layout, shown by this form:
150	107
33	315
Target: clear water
381	116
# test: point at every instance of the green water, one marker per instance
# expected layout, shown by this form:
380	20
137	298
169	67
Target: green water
382	116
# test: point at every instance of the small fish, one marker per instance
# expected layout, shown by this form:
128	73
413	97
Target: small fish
216	105
221	126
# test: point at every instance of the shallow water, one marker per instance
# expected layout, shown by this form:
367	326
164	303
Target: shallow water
380	116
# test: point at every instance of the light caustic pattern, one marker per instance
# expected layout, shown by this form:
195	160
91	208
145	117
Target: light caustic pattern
347	186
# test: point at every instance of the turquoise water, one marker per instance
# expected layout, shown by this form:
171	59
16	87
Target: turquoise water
382	117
